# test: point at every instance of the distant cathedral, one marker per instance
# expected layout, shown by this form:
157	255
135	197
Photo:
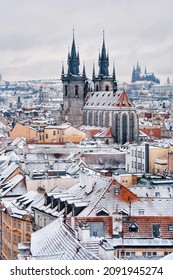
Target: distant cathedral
136	75
104	107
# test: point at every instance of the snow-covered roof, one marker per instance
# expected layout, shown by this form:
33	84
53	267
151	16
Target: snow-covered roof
55	239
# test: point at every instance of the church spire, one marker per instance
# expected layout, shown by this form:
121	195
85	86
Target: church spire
103	60
62	71
84	72
73	59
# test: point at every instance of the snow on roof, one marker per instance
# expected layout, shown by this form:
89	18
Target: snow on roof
108	99
8	186
138	242
17	140
56	239
19	207
8	171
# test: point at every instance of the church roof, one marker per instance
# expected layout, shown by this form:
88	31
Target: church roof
108	99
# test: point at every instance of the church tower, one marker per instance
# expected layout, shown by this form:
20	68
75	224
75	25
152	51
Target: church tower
103	81
74	88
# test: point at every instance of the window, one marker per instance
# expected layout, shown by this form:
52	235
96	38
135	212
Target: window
19	224
116	191
27	227
54	133
14	223
65	89
15	239
19	239
96	229
157	194
170	227
124	128
45	222
141	211
139	154
133	227
107	88
76	91
156	230
46	136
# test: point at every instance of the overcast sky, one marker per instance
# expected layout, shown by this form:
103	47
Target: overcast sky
35	35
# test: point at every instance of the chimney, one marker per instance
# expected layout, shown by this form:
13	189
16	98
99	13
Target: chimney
83	231
89	184
41	190
83	177
106	250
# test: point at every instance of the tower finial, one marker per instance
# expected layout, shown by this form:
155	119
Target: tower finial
73	31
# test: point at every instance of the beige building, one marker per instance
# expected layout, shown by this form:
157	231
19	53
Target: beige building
146	158
16	223
63	133
14	230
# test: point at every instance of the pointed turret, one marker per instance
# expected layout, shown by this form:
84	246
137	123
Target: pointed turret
84	72
114	79
73	59
62	71
103	60
94	71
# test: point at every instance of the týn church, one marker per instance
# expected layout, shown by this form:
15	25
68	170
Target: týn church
104	108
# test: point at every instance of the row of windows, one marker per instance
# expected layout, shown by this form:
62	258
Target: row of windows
133	227
76	90
144	254
139	166
139	153
54	133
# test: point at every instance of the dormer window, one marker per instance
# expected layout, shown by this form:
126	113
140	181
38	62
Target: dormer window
141	211
133	227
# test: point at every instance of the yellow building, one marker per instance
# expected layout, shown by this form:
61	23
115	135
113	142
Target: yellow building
24	130
16	223
63	133
14	230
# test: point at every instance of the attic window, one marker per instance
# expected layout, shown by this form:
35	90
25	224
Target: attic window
102	212
141	211
133	227
170	227
116	191
157	194
98	103
156	230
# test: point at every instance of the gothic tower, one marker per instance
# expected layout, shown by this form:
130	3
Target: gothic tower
103	81
74	89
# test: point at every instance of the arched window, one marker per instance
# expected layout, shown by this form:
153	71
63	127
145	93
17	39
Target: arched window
65	89
96	118
97	88
90	118
117	128
106	119
76	90
124	128
85	118
101	118
131	136
107	88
